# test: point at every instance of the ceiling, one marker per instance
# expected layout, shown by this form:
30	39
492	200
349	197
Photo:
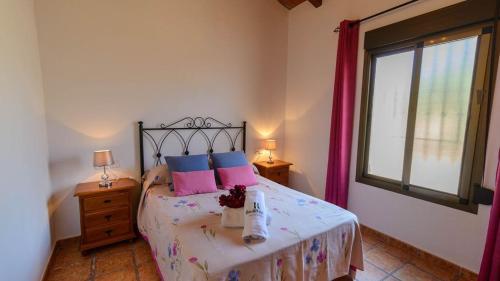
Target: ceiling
290	4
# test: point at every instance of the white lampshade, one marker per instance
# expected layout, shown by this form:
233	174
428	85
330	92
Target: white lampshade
103	158
270	144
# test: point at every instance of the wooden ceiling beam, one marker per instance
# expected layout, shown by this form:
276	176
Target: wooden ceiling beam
316	3
290	4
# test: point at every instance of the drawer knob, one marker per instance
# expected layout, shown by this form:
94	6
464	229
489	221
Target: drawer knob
108	217
108	232
107	201
279	173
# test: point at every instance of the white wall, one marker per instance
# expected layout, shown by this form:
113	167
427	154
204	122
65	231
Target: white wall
24	233
108	64
454	235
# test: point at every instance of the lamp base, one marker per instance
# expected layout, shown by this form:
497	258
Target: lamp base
270	161
105	181
106	184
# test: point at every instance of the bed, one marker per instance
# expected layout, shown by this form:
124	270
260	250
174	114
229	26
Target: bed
310	239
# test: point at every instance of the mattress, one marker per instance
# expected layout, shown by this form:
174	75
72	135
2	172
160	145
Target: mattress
310	239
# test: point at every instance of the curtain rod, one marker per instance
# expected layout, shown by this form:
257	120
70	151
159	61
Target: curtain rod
337	29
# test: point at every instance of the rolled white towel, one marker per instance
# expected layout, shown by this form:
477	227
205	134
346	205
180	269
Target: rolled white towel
255	216
235	218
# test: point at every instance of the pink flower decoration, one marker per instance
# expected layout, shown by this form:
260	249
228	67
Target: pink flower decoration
321	257
193	259
174	249
280	262
284	229
191	205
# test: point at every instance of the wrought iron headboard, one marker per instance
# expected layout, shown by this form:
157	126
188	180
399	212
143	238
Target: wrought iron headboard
191	126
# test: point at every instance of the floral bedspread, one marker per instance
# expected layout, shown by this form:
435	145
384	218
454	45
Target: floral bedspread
310	239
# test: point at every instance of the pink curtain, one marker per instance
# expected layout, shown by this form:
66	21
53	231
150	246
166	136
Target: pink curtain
490	266
337	180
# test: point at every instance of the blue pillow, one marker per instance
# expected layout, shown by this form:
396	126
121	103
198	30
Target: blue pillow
229	159
187	163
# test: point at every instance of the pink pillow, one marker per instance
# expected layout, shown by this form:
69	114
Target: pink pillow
242	175
187	183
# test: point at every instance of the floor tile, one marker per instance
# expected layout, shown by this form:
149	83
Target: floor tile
443	272
75	272
371	273
142	254
68	256
133	262
122	275
112	249
382	259
147	272
114	262
411	273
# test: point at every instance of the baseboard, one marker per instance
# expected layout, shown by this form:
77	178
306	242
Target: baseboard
467	274
49	262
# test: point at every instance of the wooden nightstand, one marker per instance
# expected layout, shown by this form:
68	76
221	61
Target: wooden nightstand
278	171
105	214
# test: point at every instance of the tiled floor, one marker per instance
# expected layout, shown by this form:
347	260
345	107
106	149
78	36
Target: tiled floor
132	262
388	263
120	262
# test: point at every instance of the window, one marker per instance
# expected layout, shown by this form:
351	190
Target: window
421	117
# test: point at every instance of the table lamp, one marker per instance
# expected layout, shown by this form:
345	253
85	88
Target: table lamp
270	145
104	158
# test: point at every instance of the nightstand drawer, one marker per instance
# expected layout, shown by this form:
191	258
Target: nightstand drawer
102	233
278	171
279	176
106	201
106	217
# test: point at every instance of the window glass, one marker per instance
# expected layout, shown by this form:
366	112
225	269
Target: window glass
442	111
391	94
